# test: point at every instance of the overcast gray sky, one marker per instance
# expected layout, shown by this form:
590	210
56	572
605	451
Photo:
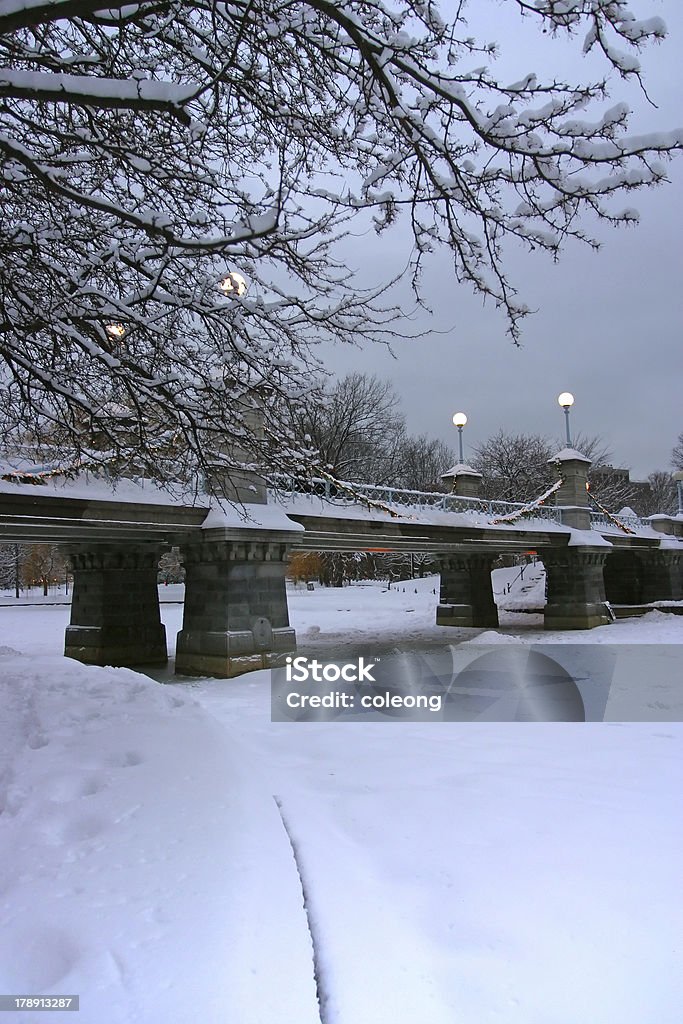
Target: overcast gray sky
609	324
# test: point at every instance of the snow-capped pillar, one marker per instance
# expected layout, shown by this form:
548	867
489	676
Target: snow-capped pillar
235	617
466	595
115	606
572	496
661	575
467	484
575	587
464	481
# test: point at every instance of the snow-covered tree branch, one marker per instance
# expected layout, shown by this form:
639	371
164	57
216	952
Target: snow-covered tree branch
149	150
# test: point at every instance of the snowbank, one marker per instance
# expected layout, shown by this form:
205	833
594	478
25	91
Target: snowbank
144	865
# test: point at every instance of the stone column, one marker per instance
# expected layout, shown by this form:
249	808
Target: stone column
661	575
464	481
242	486
466	597
115	606
572	496
235	617
575	587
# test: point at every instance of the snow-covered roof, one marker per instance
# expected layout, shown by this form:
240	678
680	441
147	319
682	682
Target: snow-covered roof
460	469
570	455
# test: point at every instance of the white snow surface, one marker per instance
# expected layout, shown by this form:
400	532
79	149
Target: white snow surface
569	455
520	587
97	487
456	872
133	834
587	538
223	515
460	469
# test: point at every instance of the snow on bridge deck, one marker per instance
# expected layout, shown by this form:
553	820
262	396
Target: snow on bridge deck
96	508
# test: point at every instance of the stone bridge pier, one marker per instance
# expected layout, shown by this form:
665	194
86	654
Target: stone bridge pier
235	617
115	605
575	586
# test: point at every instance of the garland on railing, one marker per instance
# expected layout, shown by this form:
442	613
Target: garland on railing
529	507
25	476
347	489
350	490
613	519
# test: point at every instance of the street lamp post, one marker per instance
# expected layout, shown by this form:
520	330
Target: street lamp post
566	400
459	421
678	477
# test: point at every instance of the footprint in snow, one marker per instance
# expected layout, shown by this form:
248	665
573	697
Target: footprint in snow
73	786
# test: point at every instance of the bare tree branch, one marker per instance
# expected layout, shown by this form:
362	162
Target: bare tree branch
149	151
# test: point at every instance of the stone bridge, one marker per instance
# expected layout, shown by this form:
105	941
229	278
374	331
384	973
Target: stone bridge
235	614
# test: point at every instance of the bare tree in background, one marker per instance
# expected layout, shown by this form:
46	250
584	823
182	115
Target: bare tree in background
514	467
613	488
171	569
677	453
44	565
659	498
354	428
12	559
151	151
422	461
610	485
518	467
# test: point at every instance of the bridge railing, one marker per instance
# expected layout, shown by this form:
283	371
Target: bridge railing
395	498
342	493
600	521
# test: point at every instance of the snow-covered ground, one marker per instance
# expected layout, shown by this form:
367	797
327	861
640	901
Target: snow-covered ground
171	855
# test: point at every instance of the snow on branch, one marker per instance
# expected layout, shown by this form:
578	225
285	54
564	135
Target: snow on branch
150	152
93	91
18	14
